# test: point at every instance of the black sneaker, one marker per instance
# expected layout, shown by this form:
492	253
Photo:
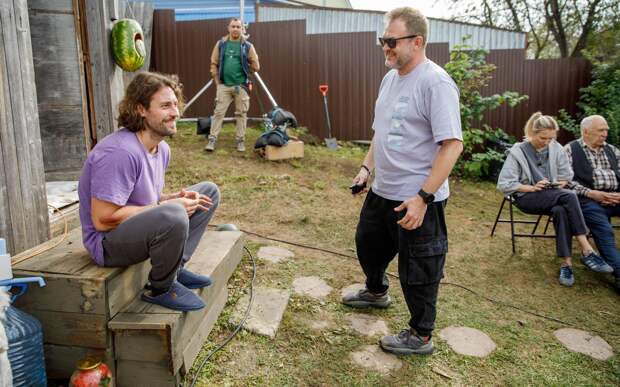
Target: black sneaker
407	343
365	299
617	286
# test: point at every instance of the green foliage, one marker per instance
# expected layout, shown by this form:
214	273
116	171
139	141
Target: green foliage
601	97
471	72
568	123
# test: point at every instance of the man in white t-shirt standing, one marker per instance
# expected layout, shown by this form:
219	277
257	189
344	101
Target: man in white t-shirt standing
417	140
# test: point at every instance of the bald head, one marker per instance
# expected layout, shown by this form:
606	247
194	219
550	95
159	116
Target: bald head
594	130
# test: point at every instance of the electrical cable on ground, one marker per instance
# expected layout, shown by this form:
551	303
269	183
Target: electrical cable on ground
489	299
237	329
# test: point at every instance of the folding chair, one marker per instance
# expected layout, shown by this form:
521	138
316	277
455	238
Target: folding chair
513	221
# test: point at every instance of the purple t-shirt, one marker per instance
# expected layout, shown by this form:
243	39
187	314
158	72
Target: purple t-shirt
119	170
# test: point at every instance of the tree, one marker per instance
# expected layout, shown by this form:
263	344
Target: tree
555	27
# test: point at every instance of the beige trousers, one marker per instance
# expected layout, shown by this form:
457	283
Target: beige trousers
223	97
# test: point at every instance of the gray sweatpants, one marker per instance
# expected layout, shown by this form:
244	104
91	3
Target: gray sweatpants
163	233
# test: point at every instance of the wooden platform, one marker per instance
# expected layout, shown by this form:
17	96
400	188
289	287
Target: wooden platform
87	309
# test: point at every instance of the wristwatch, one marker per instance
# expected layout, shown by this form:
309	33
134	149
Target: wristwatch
426	197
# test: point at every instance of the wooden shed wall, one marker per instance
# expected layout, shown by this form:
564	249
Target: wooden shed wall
23	204
60	87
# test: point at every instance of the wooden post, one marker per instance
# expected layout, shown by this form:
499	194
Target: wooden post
23	202
107	77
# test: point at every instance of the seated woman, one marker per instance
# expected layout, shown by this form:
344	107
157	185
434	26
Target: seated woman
534	174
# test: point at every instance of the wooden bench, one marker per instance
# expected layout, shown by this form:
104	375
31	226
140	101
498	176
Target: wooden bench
87	309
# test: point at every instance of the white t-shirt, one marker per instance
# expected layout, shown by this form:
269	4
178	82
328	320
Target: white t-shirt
413	114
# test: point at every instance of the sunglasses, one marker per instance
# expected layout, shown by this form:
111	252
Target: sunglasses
392	42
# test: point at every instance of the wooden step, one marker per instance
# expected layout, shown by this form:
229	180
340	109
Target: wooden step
80	297
154	344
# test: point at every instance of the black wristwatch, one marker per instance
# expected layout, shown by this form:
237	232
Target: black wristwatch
426	197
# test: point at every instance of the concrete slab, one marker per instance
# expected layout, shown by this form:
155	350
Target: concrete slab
266	313
274	254
367	325
583	342
468	341
353	288
314	287
319	321
373	358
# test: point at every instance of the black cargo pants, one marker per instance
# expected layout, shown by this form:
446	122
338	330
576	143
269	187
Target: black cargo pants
421	255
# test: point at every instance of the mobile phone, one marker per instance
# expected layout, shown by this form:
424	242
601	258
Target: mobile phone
357	188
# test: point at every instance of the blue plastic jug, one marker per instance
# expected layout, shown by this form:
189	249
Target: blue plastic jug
25	338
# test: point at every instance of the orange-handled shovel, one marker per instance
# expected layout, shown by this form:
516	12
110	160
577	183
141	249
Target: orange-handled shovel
330	141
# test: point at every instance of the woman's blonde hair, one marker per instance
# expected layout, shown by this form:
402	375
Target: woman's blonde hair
539	122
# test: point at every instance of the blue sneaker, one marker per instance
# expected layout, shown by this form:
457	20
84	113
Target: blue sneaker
566	276
192	280
178	297
594	262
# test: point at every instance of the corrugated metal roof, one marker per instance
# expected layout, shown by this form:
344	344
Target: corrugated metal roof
322	21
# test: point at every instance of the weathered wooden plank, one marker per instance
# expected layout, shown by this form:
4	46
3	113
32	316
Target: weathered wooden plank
151	343
70	214
73	329
5	215
124	287
69	258
63	294
29	138
61	360
47	5
56	59
16	222
145	374
192	347
64	148
107	77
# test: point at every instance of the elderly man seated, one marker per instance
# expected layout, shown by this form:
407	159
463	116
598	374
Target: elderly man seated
597	184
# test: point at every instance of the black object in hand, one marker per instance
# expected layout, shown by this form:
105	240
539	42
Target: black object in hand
357	188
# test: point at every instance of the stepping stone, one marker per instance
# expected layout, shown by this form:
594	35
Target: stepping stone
318	321
274	254
266	313
468	341
373	358
367	325
583	342
353	288
314	287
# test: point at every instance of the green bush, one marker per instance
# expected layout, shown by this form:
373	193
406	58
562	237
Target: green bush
601	97
482	146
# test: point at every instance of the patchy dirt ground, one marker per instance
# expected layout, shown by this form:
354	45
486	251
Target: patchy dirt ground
307	201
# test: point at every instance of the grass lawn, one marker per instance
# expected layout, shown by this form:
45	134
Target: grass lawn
307	201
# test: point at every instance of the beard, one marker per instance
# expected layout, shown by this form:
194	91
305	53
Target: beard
162	128
395	61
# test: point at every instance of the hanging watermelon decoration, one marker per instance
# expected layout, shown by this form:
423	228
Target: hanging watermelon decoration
128	44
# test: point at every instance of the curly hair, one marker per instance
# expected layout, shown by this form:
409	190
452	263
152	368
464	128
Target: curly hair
140	92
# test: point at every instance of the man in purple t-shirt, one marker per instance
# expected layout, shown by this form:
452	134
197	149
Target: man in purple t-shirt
126	218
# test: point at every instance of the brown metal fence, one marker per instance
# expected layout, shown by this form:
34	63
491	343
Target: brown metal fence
293	65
